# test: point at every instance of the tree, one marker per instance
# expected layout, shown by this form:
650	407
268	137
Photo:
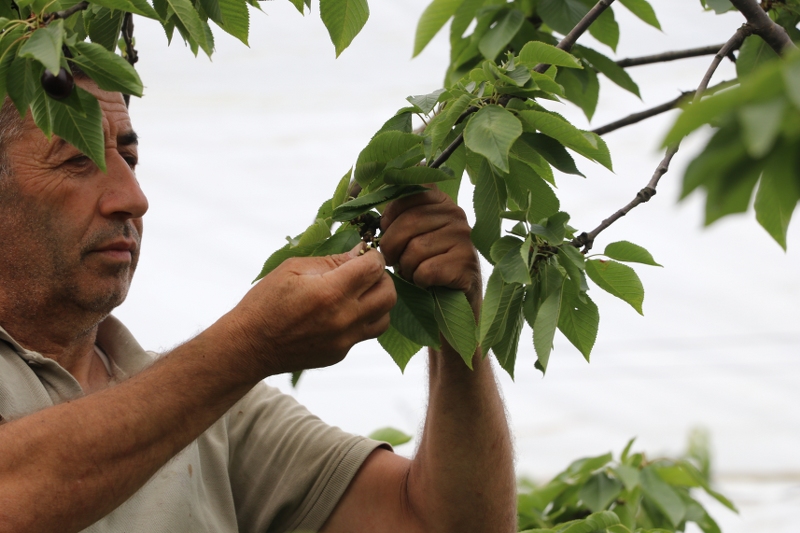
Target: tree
544	352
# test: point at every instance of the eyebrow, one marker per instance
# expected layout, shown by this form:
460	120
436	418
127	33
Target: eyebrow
127	138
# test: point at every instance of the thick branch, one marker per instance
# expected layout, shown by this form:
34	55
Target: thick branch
80	6
635	118
586	240
566	44
763	26
669	56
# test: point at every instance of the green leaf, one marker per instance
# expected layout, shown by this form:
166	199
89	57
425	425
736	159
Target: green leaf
628	475
599	491
496	40
610	69
21	83
592	523
524	152
507	342
44	45
362	204
456	321
83	131
582	468
502	246
110	71
235	18
554	230
296	377
393	436
491	132
582	88
340	196
527	189
188	17
399	347
104	27
413	315
338	243
344	20
562	15
140	7
605	29
42	113
761	125
719	6
513	268
426	102
629	252
415	175
382	149
537	52
617	279
643	10
489	200
563	132
440	126
544	328
778	193
552	151
490	309
753	53
663	496
578	321
627	450
433	18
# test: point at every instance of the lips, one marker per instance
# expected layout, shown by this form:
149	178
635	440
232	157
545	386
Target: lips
120	249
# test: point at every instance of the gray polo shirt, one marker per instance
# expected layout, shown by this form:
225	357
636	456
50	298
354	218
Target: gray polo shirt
267	465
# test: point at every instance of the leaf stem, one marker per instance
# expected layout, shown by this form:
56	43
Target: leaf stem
586	240
566	44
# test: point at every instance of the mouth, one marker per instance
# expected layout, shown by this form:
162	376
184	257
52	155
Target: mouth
120	250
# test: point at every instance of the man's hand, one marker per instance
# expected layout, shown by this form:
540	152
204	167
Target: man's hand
426	238
309	312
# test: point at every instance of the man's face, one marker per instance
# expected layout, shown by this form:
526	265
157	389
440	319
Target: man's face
70	233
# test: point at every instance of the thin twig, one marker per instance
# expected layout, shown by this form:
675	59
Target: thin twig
572	37
763	26
130	52
635	118
566	44
586	240
80	6
669	56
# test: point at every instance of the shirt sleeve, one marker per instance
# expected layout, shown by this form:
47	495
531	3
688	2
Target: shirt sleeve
288	469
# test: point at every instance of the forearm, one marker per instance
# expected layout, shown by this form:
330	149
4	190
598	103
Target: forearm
462	478
86	457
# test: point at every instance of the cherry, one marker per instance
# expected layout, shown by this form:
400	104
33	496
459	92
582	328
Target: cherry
60	86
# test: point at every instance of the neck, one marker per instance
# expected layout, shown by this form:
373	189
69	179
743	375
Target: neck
66	337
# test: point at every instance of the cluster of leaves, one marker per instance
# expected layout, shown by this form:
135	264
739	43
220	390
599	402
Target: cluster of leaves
50	35
511	147
631	495
758	130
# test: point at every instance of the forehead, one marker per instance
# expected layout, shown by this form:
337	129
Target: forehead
116	121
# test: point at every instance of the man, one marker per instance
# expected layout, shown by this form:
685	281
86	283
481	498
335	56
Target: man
97	438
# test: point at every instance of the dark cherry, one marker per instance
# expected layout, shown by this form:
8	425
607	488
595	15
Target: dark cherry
58	87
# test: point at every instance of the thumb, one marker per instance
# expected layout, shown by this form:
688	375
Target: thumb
323	264
358	272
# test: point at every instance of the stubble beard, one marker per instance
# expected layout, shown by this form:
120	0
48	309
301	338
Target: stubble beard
43	278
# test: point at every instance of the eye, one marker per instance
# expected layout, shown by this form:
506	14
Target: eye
79	162
132	161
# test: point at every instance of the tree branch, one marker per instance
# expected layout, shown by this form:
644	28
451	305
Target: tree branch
80	6
763	26
669	56
635	118
566	44
586	240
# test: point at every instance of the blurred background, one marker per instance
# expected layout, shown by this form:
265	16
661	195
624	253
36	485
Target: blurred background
238	152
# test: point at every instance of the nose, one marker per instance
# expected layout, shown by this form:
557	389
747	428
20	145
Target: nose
123	197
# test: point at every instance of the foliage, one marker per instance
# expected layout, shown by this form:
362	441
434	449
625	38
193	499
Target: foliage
629	495
488	122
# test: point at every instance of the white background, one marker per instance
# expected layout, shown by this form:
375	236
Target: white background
238	152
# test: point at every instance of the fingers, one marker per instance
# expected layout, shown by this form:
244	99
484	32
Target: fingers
356	275
397	207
